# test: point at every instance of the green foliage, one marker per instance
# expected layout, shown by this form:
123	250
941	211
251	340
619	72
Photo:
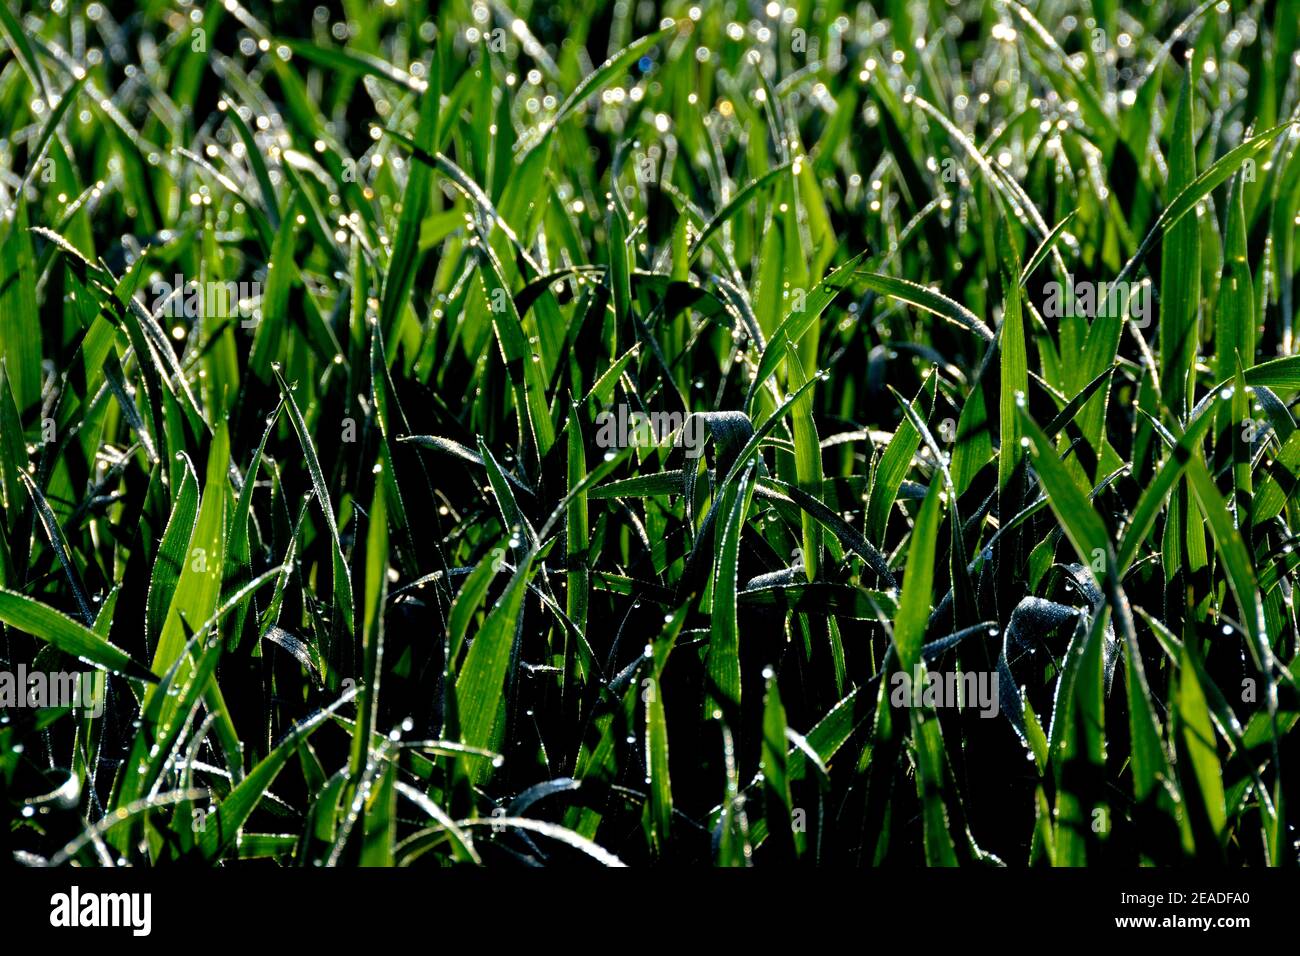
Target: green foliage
650	435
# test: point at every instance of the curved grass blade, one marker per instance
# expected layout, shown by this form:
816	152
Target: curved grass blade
40	620
223	824
342	582
170	559
927	299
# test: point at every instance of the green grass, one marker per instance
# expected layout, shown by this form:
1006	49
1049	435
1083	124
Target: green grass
371	589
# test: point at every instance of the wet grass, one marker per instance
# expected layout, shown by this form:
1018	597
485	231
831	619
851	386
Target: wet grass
312	319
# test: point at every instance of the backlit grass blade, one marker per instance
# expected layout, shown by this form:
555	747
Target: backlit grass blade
54	535
1014	368
1180	277
20	43
1079	520
734	205
223	826
576	528
1195	191
600	76
808	466
482	676
400	275
803	313
1045	248
13	453
40	620
848	536
523	361
656	721
20	326
724	641
37	152
776	782
1234	334
172	554
893	465
925	298
1238	567
1199	745
1077	738
372	634
342	582
238	551
910	624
